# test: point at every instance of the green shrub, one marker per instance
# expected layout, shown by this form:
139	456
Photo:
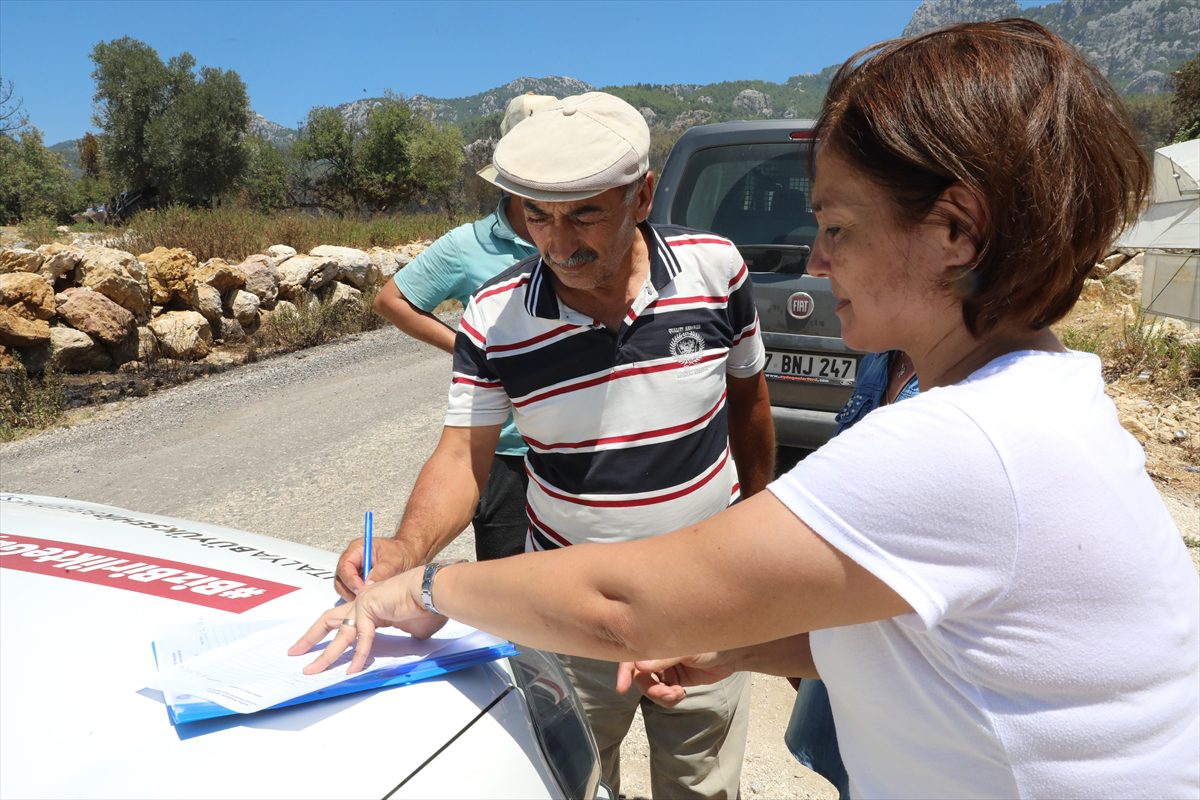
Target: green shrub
39	230
310	326
29	403
1144	348
1082	340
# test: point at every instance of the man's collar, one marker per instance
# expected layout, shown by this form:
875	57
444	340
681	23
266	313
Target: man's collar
541	301
501	228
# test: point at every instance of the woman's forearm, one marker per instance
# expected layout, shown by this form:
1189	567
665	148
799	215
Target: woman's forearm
790	658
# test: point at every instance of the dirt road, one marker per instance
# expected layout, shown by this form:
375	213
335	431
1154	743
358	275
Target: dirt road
298	447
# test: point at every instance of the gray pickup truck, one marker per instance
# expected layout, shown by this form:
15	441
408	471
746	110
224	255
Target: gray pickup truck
750	182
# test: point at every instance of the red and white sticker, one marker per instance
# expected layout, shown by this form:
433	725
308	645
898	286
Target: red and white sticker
174	580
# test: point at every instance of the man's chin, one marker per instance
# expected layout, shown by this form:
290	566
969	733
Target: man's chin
580	278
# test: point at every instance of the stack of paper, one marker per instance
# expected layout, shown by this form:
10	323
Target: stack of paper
215	668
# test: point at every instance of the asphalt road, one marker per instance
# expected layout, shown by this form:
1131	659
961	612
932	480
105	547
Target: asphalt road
298	447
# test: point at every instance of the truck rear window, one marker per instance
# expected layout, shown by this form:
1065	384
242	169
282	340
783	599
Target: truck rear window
754	194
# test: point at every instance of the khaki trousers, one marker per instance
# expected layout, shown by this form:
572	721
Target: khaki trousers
696	748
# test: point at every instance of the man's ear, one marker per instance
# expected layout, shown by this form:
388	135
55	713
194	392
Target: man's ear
644	198
960	216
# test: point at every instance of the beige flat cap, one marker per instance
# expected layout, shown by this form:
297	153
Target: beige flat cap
572	150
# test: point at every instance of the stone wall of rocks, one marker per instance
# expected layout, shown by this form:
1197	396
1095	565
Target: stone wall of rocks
83	307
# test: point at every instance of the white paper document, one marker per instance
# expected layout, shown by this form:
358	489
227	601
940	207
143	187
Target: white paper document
248	669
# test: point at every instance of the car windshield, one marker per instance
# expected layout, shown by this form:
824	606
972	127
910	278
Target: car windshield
755	194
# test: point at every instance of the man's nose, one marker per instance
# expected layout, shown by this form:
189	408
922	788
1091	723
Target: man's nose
561	241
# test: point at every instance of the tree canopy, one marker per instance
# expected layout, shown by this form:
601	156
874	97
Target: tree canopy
165	127
397	158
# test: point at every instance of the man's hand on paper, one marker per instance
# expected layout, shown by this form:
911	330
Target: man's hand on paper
395	602
663	680
387	559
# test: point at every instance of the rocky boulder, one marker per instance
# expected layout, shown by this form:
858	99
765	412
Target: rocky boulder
301	272
147	345
280	252
27	295
221	275
343	294
388	262
96	315
242	306
171	275
75	351
262	279
58	260
355	267
185	335
19	259
207	301
230	331
118	276
17	331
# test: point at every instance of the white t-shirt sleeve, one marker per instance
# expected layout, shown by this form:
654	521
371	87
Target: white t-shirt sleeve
477	396
917	495
746	353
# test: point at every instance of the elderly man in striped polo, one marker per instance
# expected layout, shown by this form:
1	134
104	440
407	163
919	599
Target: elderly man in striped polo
631	358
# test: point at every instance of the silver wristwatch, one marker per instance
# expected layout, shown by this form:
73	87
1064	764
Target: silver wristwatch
431	569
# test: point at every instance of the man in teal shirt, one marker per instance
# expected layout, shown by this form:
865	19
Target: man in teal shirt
452	269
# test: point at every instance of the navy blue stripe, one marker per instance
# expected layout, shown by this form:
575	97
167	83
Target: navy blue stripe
578	354
645	468
595	350
470	359
664	259
542	539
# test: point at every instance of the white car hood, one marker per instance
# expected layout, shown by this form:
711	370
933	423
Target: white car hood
76	721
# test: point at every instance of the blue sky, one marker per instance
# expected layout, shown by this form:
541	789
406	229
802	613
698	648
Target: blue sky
300	54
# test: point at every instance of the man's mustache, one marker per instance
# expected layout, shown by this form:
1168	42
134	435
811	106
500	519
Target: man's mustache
583	255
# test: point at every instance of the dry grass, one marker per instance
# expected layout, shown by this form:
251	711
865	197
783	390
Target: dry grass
235	233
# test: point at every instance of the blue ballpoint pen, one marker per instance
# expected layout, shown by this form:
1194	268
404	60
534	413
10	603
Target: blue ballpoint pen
368	525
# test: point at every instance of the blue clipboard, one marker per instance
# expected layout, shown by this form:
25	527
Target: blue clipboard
194	709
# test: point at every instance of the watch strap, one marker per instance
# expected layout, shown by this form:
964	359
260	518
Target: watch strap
431	569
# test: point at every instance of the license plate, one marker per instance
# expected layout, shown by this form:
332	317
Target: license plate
810	367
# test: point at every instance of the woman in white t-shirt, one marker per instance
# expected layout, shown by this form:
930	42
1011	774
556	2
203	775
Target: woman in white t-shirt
998	599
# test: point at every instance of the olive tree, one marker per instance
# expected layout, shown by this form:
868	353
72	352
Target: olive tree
397	158
164	127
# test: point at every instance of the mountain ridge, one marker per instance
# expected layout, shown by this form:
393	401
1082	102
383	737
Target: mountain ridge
1135	44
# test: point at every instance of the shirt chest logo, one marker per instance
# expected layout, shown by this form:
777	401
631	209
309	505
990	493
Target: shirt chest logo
687	346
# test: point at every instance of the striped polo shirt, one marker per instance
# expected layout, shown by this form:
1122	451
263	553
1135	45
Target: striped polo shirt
627	431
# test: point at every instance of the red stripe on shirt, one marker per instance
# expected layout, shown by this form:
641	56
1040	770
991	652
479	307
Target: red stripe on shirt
698	240
741	273
474	382
630	437
678	301
500	348
641	501
612	376
546	529
524	279
741	337
474	334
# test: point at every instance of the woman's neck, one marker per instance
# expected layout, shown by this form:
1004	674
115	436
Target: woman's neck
956	356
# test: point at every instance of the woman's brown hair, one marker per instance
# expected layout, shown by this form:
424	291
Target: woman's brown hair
1017	116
